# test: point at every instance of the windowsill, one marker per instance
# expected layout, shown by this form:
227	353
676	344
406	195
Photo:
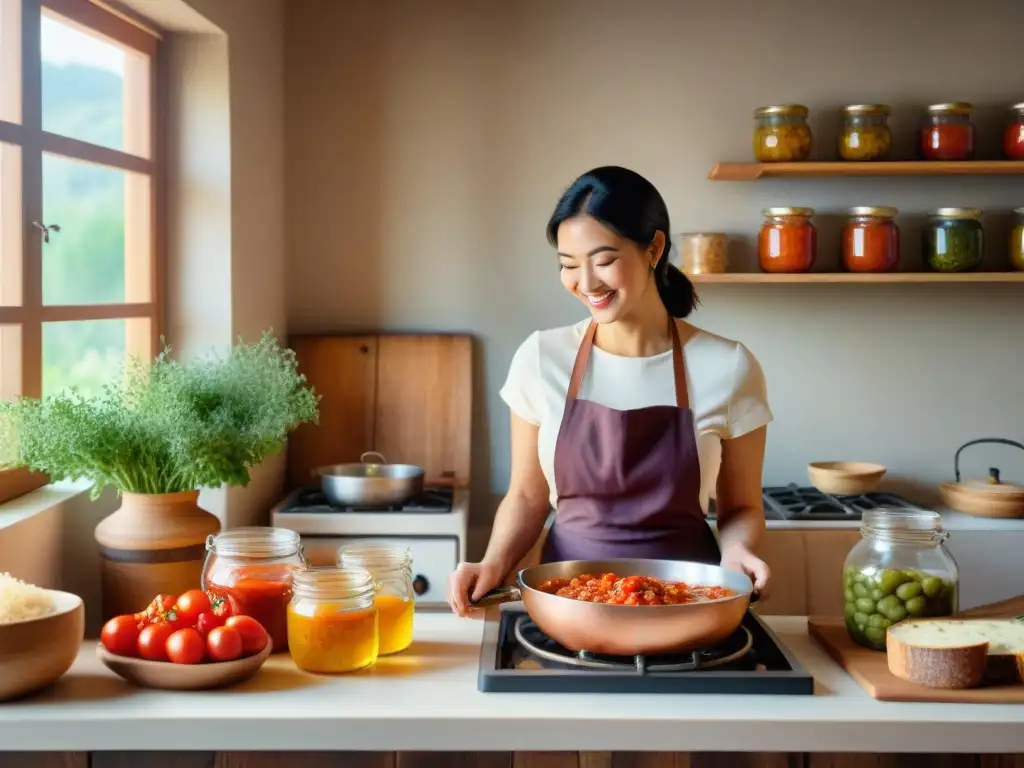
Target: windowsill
40	500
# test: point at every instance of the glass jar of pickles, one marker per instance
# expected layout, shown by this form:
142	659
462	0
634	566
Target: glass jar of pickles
900	569
953	240
332	620
788	241
1013	134
948	133
1017	240
865	134
391	568
781	134
871	240
252	569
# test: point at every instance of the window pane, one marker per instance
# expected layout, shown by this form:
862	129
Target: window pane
84	263
85	353
10	361
94	89
10	60
10	225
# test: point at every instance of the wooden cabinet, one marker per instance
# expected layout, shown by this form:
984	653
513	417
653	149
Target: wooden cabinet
807	570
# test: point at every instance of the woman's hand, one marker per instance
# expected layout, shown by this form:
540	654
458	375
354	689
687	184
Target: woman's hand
471	581
739	558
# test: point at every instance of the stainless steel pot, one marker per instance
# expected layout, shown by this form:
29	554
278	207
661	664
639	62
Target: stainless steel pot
370	483
628	630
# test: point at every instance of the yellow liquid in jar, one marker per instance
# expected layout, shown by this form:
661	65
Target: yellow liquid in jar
395	623
326	638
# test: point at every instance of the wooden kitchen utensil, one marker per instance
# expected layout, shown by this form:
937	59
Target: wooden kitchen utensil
845	478
984	498
871	668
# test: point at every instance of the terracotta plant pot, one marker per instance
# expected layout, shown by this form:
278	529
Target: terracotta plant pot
153	544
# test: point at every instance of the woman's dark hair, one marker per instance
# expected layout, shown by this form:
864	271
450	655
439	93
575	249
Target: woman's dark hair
628	204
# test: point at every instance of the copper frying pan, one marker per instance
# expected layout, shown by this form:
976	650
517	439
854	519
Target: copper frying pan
628	630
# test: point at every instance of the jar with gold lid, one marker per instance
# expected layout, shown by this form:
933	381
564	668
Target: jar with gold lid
787	241
781	134
391	568
865	134
1013	134
871	240
1017	240
953	240
333	620
948	133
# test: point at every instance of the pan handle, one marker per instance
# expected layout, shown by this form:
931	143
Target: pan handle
497	597
370	454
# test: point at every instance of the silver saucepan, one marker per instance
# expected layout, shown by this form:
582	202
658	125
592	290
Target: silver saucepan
628	630
370	483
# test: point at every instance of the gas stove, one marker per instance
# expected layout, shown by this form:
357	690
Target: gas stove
794	502
516	656
313	501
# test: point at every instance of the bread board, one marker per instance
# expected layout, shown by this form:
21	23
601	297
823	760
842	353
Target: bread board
871	669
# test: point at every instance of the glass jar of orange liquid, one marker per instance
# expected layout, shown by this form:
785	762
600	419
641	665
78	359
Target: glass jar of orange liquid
391	568
787	241
332	620
252	569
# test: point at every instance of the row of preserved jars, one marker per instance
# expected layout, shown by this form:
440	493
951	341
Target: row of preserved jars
952	240
781	133
330	619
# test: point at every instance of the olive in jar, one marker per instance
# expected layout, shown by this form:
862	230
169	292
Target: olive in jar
865	135
953	240
781	134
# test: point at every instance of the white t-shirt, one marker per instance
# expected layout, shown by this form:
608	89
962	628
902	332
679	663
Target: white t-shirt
726	386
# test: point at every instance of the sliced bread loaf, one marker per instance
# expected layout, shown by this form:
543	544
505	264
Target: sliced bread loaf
957	653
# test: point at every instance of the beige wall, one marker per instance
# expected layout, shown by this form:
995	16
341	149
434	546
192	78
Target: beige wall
426	143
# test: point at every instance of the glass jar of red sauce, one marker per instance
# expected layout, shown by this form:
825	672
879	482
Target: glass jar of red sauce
252	569
788	241
871	240
1013	136
948	133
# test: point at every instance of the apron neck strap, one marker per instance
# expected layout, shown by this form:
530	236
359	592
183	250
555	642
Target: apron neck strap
579	368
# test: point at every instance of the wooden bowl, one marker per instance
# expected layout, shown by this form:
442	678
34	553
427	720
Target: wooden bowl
37	652
845	478
982	500
182	677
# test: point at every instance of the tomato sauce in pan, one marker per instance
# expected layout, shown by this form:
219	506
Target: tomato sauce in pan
632	590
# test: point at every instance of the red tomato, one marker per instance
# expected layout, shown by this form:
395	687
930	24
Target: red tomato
120	635
190	605
153	640
254	636
156	610
185	646
224	644
221	606
207	621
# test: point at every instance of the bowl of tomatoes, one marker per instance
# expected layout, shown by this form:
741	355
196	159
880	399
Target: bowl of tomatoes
188	642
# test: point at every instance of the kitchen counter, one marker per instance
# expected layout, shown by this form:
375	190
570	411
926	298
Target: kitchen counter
426	699
951	521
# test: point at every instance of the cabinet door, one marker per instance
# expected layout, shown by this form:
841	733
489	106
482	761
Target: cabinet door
825	553
343	371
783	552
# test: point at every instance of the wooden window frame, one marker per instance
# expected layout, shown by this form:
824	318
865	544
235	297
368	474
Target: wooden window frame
34	142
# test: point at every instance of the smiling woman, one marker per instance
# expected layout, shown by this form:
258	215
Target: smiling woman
614	419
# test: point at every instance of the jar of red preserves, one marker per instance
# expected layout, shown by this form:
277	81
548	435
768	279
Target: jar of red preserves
1013	136
948	133
871	240
788	241
252	569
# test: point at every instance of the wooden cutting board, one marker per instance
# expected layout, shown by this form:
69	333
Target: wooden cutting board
871	669
408	396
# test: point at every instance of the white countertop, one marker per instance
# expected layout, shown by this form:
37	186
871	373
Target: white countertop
427	699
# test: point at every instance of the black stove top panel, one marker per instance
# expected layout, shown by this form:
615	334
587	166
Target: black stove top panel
313	501
516	657
794	502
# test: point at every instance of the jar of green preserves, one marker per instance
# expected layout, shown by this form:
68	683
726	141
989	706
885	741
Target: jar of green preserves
900	569
953	240
1017	241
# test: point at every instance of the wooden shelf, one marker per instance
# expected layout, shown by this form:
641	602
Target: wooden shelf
743	278
754	171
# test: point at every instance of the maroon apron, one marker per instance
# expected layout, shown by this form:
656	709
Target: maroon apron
628	481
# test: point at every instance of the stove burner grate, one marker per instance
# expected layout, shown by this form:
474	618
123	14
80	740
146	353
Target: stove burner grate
535	641
431	500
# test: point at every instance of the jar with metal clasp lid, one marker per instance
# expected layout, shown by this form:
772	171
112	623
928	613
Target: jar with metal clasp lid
252	569
333	620
391	568
900	569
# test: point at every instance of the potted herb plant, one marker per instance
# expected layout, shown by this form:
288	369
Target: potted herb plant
165	430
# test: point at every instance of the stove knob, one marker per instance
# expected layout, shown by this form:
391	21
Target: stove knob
420	584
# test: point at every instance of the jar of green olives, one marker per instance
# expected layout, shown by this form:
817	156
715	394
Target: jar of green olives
900	569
